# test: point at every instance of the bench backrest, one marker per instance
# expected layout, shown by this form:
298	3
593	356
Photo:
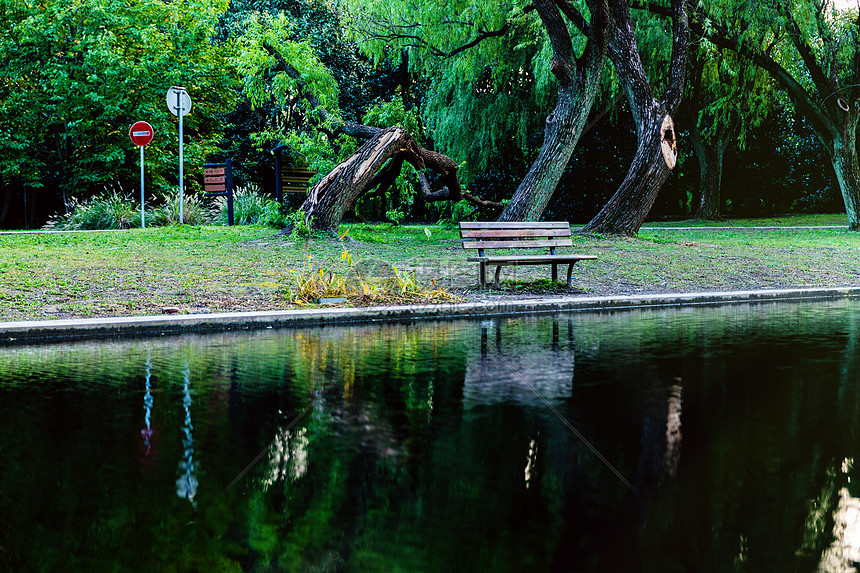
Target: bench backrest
548	234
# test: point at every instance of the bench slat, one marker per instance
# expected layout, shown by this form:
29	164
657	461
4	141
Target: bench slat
516	244
528	225
531	260
505	233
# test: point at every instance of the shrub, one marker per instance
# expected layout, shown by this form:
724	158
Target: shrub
250	207
300	224
101	212
193	211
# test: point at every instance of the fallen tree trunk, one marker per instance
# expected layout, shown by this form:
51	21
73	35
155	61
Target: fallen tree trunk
377	164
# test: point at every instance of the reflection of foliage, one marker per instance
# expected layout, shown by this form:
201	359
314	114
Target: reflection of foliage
399	473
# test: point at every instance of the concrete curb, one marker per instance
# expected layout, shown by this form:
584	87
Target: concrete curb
63	330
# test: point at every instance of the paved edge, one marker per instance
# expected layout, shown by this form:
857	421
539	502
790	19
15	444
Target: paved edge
63	330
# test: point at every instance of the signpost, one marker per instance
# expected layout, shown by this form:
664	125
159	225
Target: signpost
141	135
179	104
218	181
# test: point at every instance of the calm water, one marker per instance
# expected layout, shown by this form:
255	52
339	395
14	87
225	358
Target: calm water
449	446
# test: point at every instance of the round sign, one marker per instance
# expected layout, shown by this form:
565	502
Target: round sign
178	100
141	133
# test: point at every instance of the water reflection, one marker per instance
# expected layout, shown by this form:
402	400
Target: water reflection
673	430
434	451
186	485
520	364
288	457
843	554
148	402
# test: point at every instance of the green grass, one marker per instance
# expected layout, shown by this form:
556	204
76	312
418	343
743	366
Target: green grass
137	272
831	220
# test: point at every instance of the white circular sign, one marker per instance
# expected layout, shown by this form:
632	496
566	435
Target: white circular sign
178	101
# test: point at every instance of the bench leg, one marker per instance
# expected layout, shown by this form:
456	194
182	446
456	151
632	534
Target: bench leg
482	274
569	271
554	273
498	271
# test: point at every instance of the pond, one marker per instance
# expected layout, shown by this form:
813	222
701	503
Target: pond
706	439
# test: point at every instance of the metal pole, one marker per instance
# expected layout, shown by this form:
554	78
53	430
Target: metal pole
142	211
181	186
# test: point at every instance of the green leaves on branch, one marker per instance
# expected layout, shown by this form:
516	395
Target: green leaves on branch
263	49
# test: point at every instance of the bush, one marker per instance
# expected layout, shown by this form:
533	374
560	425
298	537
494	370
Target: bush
193	211
250	207
109	212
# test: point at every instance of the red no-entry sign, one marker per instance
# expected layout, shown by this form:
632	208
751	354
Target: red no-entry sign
140	133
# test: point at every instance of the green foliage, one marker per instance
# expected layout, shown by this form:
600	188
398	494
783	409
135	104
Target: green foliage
251	207
301	224
460	211
393	113
112	211
78	73
167	212
480	102
264	44
396	216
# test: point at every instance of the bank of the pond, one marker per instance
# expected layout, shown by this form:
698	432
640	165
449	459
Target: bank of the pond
61	330
218	270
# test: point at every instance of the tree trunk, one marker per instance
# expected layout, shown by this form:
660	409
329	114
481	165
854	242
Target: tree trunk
578	86
710	155
710	182
329	199
625	212
845	164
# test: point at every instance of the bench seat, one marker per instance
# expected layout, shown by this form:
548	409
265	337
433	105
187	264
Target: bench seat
516	236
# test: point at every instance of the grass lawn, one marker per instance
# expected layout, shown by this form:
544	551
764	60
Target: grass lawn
137	272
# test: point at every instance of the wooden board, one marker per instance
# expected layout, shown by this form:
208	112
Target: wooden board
214	171
531	260
214	188
511	233
528	225
517	244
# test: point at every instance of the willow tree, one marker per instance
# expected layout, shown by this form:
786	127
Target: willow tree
479	52
726	96
578	79
814	57
656	150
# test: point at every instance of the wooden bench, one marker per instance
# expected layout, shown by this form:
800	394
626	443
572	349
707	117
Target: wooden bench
547	235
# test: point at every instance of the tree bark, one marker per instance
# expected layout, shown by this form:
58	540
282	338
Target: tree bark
625	212
845	165
710	182
710	154
832	109
578	85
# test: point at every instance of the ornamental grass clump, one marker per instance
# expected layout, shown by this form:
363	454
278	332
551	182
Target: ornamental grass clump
250	207
167	213
112	211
